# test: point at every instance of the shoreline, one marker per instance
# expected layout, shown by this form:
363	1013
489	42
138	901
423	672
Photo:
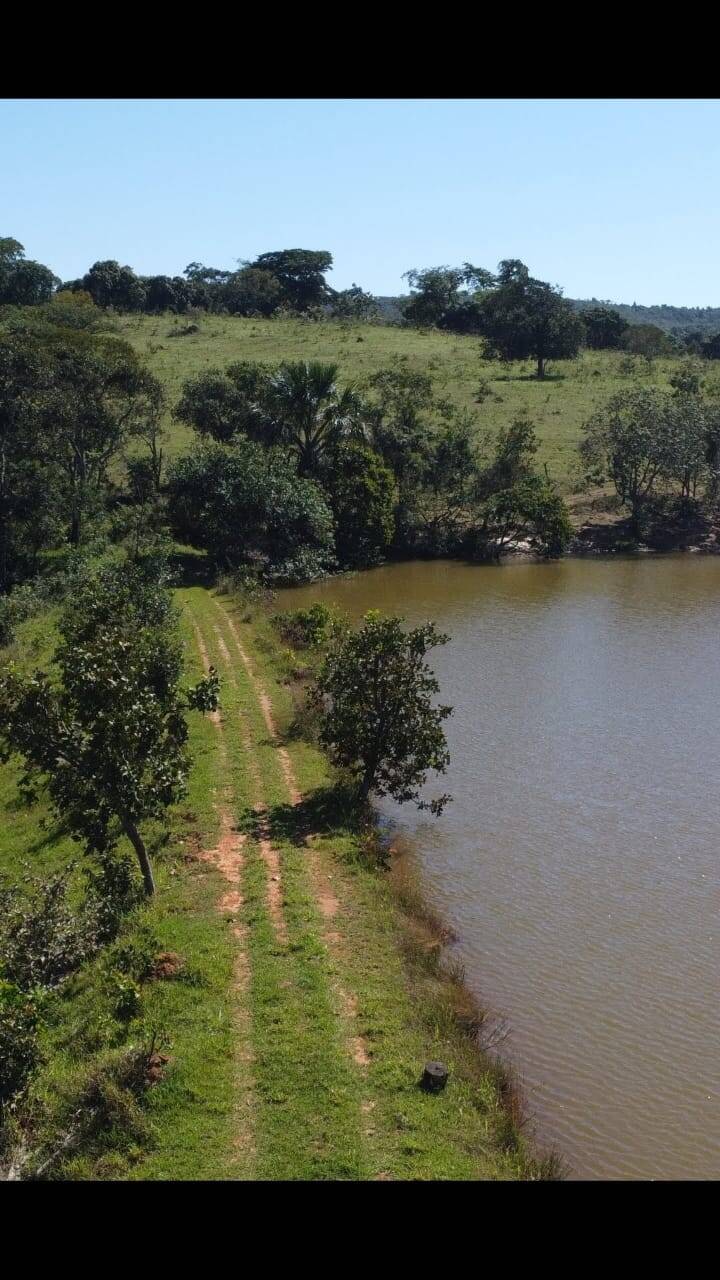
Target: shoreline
442	994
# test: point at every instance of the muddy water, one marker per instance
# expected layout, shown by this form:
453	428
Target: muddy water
580	860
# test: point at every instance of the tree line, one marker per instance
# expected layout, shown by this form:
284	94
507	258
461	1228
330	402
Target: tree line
518	316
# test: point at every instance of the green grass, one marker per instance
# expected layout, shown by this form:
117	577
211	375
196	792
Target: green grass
189	1116
557	406
262	1082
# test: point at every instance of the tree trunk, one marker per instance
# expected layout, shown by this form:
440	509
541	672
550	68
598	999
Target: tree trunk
366	785
138	845
541	367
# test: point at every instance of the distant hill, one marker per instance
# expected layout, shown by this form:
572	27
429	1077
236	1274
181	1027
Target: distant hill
676	320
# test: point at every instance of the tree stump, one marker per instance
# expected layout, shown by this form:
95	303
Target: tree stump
434	1077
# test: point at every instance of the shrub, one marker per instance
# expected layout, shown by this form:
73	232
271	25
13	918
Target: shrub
19	1051
305	628
42	937
246	505
378	723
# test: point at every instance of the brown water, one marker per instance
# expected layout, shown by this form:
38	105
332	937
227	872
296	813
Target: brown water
579	862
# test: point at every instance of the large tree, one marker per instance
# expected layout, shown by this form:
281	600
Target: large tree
525	318
111	285
300	274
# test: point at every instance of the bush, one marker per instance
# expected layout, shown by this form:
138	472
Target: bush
19	1051
42	937
246	505
378	723
305	628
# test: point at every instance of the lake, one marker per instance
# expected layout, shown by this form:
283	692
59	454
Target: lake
579	861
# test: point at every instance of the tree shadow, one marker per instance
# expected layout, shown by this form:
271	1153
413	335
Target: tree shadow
52	835
191	569
530	377
328	809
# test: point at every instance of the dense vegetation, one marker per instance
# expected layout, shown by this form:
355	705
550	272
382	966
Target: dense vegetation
291	466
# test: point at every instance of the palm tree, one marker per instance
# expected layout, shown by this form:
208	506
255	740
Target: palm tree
310	412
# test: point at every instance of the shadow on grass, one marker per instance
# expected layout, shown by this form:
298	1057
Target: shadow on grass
328	809
193	569
530	377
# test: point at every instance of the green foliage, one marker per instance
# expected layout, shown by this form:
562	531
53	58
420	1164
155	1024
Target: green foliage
111	285
647	340
43	935
22	281
300	274
246	504
353	304
308	411
604	328
687	379
253	292
223	405
531	510
19	1049
645	436
524	317
361	489
309	628
107	735
515	448
378	722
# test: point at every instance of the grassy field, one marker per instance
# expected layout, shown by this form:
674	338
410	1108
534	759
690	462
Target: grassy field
311	989
557	406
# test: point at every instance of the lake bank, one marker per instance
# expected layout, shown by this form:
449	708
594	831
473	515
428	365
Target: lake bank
579	855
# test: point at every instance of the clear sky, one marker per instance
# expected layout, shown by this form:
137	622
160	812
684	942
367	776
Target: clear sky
608	198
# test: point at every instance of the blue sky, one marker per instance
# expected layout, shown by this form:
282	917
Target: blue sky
607	198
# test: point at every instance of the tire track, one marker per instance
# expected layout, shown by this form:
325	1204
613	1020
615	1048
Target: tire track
268	853
326	900
227	858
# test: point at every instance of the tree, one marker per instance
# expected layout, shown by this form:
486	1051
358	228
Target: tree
630	438
252	292
400	400
515	447
99	393
604	328
524	318
111	285
530	510
353	304
28	489
300	274
688	431
362	492
245	503
647	340
160	294
375	694
434	290
223	405
108	734
22	281
306	409
711	347
434	504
